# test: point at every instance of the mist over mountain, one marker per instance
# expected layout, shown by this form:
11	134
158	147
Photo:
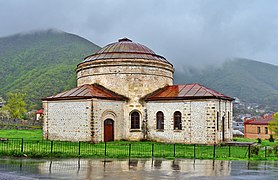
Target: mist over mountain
41	63
251	81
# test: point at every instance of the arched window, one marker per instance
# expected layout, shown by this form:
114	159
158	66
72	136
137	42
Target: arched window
159	120
135	120
177	120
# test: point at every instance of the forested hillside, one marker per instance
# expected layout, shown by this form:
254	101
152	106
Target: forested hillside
249	80
41	63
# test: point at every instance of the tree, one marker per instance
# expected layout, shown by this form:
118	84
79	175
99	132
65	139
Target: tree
16	105
273	125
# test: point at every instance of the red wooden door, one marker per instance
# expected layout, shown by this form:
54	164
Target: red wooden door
108	130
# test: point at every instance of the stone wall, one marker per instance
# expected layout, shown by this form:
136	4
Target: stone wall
107	109
131	78
198	121
68	120
83	120
225	112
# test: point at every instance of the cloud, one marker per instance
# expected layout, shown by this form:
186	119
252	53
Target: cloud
192	32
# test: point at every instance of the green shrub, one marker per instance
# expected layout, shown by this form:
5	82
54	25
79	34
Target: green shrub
275	148
259	140
271	139
255	150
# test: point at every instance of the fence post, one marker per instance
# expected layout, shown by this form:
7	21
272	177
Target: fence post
129	150
194	151
79	143
249	151
104	149
229	150
152	149
174	150
51	147
214	146
22	144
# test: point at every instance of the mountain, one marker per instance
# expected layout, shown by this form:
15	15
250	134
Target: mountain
251	81
41	63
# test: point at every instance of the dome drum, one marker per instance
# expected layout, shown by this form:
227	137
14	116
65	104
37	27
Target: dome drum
126	68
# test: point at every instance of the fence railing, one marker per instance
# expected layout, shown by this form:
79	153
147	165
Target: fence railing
125	149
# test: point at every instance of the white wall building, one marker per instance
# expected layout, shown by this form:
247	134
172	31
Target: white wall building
126	91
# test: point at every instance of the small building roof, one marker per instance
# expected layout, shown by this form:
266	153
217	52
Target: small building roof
87	91
259	121
184	92
40	111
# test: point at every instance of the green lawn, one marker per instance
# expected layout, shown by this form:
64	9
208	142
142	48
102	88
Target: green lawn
264	142
32	145
25	134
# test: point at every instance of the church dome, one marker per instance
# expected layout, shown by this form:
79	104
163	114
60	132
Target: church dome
126	68
125	49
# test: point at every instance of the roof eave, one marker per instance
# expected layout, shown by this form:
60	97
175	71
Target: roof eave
82	97
187	98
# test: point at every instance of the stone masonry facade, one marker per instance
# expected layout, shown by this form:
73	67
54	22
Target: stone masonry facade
199	122
71	125
121	88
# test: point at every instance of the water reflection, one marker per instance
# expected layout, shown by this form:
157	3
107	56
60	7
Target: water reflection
138	169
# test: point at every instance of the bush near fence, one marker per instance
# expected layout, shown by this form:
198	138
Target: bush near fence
125	149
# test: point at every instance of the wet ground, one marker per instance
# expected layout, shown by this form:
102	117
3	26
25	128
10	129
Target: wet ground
23	169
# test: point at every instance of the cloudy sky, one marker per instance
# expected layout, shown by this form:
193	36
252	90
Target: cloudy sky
194	32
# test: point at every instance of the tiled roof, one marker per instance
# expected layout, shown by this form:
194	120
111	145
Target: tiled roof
40	111
255	121
185	91
87	91
125	49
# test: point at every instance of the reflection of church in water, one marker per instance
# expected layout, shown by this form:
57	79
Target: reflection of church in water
135	168
126	91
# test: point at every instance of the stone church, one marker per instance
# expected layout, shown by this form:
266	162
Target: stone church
125	91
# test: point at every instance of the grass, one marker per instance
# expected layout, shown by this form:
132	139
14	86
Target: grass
25	134
33	146
263	143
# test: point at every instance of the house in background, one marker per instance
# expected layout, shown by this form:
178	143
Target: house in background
257	127
39	114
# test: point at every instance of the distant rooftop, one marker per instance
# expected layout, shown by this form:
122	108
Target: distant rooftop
259	121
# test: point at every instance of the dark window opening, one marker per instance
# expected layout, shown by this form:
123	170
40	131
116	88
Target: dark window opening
159	120
259	130
266	130
177	120
135	120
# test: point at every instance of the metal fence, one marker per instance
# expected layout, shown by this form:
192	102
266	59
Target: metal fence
125	149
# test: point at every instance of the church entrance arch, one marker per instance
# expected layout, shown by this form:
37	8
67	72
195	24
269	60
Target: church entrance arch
108	130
